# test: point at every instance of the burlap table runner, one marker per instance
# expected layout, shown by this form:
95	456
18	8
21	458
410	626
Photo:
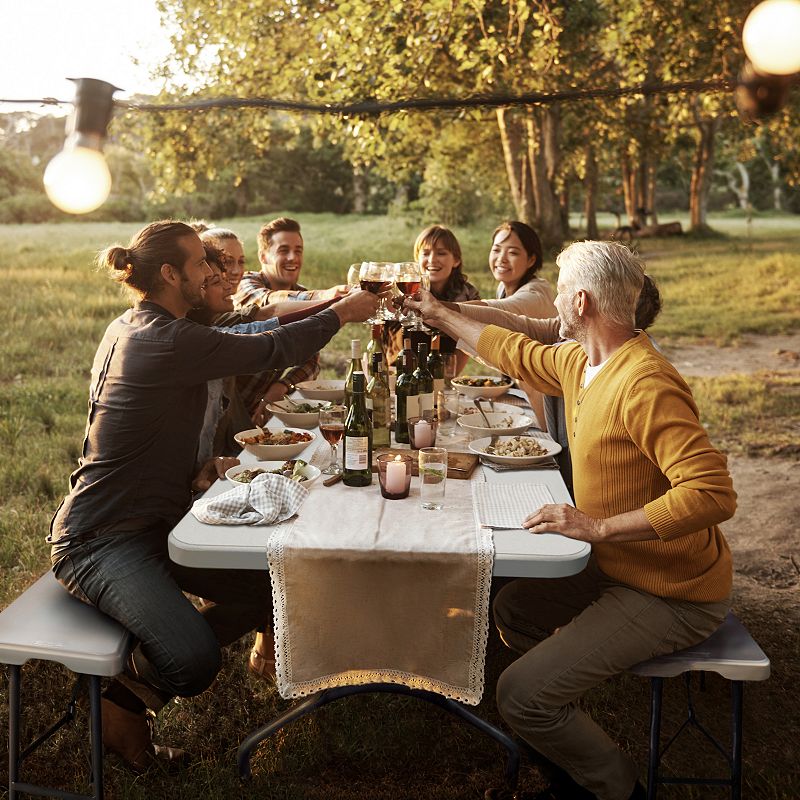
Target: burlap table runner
367	590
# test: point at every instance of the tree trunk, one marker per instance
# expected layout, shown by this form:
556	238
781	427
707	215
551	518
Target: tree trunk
543	159
590	198
701	174
517	168
651	195
628	187
563	205
360	190
642	174
241	197
775	176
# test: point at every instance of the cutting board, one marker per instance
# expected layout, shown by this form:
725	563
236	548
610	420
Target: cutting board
459	465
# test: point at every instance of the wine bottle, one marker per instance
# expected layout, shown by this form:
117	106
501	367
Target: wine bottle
408	349
357	438
436	368
407	400
374	345
424	382
378	400
353	367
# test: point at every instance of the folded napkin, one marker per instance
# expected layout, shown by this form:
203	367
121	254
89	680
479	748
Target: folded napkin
507	505
267	499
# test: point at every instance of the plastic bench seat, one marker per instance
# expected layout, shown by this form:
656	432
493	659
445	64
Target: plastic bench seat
729	651
48	624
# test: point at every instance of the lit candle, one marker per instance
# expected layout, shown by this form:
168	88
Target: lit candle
396	476
422	434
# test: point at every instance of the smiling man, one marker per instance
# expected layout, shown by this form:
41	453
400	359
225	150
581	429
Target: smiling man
650	493
134	479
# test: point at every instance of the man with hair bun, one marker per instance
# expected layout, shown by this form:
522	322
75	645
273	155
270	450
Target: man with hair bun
134	479
650	492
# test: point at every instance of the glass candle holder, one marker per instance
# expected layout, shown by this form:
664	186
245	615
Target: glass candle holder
394	475
422	431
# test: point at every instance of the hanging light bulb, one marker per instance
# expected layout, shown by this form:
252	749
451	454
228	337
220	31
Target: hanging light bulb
771	37
77	180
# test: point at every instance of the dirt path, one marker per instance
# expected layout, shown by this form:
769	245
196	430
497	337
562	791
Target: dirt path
752	354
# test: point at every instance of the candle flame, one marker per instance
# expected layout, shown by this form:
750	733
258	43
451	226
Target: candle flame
398	458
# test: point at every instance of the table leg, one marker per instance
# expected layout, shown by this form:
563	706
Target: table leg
330	695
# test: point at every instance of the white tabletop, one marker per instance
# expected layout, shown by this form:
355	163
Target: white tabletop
518	553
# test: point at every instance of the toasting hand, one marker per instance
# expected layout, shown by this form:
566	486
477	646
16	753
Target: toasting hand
357	306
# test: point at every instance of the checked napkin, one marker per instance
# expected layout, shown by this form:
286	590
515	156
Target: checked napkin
267	499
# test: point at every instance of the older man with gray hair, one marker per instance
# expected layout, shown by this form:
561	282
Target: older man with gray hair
650	491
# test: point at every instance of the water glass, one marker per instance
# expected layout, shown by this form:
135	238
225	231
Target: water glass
447	409
432	477
450	365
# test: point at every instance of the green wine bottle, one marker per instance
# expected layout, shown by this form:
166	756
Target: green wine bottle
436	368
407	400
378	402
352	367
424	382
357	438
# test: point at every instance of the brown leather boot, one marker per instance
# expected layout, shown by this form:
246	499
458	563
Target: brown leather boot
128	734
262	656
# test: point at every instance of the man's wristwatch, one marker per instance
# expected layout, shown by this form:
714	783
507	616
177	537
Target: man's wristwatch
290	387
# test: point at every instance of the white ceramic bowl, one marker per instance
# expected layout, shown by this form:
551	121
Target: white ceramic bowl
482	391
296	419
479	448
474	424
310	472
274	452
468	407
322	390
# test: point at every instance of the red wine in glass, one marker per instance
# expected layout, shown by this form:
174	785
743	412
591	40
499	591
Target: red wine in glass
408	288
332	433
375	287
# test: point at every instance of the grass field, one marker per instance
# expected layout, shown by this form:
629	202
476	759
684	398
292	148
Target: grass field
54	308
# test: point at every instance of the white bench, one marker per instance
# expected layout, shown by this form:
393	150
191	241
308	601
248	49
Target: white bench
729	651
46	623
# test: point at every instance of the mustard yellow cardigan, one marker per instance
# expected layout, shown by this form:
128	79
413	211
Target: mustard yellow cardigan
636	441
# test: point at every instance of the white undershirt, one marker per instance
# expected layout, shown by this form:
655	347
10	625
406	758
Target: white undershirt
591	372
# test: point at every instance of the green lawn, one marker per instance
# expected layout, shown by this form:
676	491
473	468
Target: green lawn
54	308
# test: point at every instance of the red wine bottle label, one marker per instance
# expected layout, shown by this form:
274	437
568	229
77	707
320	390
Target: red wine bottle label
356	452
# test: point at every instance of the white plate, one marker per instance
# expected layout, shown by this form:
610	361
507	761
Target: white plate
310	471
274	452
481	391
479	448
322	390
474	424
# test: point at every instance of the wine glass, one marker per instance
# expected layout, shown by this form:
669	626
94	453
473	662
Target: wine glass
373	277
353	280
408	278
331	426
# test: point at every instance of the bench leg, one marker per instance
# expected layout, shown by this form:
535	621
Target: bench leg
656	696
96	736
13	729
736	739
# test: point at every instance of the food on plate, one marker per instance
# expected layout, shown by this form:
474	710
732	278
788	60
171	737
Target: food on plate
303	408
293	469
278	437
518	447
466	380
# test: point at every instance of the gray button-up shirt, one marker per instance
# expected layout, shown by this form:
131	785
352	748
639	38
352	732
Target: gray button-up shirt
146	405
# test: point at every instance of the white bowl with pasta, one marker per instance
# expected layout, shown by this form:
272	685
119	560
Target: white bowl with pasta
518	451
499	423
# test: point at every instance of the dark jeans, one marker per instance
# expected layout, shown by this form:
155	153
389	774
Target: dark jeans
129	576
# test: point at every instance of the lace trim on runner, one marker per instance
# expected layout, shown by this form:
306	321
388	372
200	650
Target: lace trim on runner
470	695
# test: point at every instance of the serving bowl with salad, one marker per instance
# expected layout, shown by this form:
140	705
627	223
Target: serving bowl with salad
481	385
271	445
297	414
294	469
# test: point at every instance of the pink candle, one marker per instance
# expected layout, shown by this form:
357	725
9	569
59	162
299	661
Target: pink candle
422	434
396	477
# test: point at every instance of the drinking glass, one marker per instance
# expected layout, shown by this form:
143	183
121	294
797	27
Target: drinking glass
447	409
374	277
408	278
450	364
353	276
331	426
432	477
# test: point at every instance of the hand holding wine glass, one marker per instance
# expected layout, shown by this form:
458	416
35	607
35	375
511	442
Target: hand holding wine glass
408	278
376	277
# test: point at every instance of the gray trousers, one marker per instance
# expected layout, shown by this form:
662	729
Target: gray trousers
605	627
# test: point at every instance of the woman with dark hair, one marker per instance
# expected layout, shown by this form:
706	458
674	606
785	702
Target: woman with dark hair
438	252
515	259
137	470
